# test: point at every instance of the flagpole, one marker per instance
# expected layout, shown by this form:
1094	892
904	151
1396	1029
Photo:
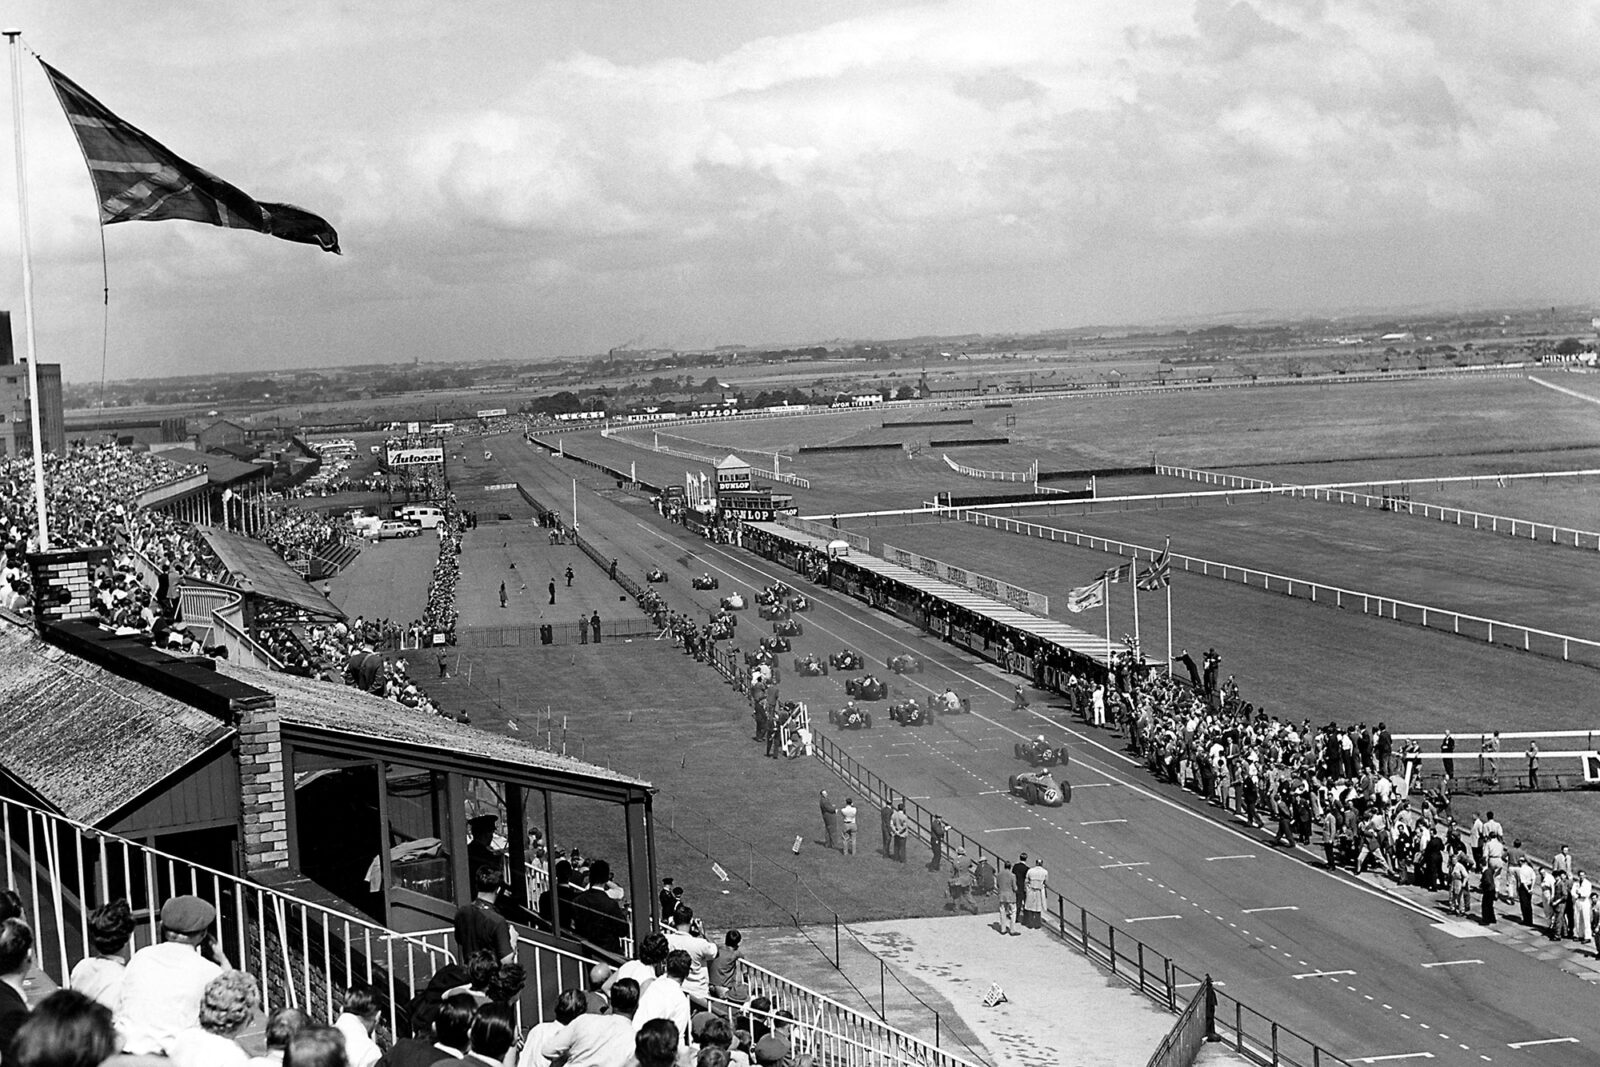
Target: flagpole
41	513
1105	598
1134	579
1166	553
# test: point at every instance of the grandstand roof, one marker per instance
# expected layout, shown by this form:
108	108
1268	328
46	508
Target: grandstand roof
262	572
220	470
340	711
1057	633
85	741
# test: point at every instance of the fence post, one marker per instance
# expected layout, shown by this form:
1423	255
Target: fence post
1274	1044
1083	927
836	961
1141	967
1211	1008
1111	937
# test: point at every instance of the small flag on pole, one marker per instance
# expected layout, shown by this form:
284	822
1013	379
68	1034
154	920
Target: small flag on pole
1086	596
995	996
137	179
1159	574
1123	573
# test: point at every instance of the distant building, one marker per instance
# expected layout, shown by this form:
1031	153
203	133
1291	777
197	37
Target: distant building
219	434
16	429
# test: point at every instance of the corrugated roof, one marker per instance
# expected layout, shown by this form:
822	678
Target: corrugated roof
84	740
220	470
1058	633
267	574
329	706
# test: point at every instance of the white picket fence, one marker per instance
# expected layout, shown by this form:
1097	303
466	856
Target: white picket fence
1491	631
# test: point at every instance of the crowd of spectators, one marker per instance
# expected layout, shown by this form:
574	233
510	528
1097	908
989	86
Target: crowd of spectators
297	534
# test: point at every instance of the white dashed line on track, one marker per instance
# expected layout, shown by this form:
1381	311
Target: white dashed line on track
1280	907
1321	974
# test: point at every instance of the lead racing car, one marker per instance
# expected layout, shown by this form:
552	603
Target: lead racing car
704	581
1040	752
851	717
1038	787
867	687
788	628
732	602
847	660
905	663
910	713
655	576
809	666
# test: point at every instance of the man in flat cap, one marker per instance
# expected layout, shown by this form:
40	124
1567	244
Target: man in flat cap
164	983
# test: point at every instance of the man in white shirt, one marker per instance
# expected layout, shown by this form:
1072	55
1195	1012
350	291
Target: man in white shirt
163	984
701	953
570	1004
99	976
356	1022
643	970
665	999
593	1040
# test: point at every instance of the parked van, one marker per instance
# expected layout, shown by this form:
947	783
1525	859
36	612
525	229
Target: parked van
426	516
398	528
366	525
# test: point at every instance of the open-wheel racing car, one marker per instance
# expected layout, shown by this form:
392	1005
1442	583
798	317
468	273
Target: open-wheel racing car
947	703
655	576
905	663
732	602
1040	752
758	657
847	660
809	666
799	602
773	611
776	644
776	593
788	628
704	581
867	687
1038	787
720	628
910	713
851	717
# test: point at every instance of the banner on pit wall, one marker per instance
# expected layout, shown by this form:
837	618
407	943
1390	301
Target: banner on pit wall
413	428
415	457
491	413
1012	595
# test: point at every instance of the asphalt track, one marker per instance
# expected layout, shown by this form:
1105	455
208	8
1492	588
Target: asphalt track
1365	974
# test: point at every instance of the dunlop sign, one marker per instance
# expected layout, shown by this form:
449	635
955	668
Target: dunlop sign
1012	595
414	457
491	413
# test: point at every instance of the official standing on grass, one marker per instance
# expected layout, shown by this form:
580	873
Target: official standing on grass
885	814
1033	904
830	821
1533	765
900	829
847	816
938	832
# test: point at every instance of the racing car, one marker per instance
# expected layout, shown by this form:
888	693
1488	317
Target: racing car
759	656
851	717
1039	752
809	666
720	628
704	581
905	663
733	602
655	576
867	687
947	703
788	628
847	660
776	644
798	602
774	611
1038	787
776	593
910	713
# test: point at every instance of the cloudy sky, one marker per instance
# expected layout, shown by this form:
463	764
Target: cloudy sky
536	178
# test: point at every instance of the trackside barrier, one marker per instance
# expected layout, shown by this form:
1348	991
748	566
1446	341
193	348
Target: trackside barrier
1142	967
1029	475
1525	529
1189	1034
1491	631
783	478
561	633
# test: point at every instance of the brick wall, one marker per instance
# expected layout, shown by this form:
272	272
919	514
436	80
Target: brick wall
63	582
262	808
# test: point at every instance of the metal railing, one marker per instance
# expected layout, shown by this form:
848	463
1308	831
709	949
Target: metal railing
1142	967
1491	631
1525	529
783	478
219	609
302	955
561	633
